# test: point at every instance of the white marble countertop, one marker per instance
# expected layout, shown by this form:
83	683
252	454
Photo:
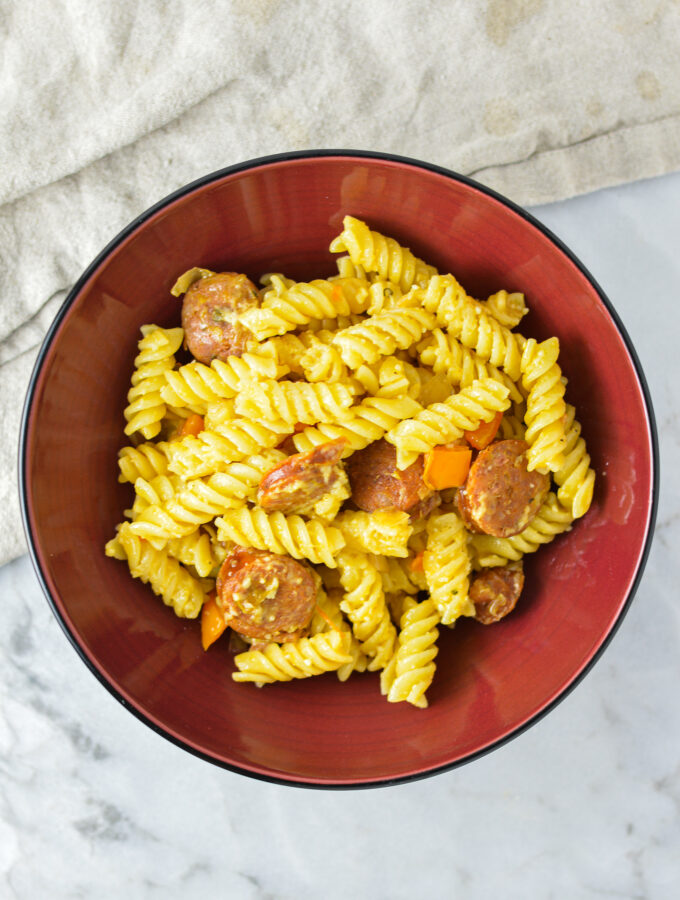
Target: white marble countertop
93	804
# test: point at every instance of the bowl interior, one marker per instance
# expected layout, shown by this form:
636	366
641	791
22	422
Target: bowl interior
280	216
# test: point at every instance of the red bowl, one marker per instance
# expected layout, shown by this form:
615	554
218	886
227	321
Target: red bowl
279	214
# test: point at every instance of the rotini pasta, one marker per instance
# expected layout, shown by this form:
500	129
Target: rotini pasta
411	670
370	420
196	385
144	461
377	253
285	310
445	422
364	604
294	401
343	456
575	478
324	652
446	564
381	335
146	407
200	500
545	412
293	535
164	575
386	531
209	452
552	519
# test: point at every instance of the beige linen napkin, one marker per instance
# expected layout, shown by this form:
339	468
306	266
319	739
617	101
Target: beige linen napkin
106	107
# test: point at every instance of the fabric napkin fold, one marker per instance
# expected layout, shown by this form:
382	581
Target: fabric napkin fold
105	108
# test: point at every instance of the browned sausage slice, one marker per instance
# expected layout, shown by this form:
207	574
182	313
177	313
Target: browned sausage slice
495	592
209	312
294	485
264	595
378	484
500	496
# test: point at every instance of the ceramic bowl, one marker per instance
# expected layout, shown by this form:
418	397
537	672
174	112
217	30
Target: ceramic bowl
279	214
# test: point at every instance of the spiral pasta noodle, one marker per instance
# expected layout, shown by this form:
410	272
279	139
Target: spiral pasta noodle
445	422
545	412
411	670
210	451
324	652
381	335
475	328
195	550
508	309
385	532
369	421
294	401
200	500
164	575
376	253
145	461
328	615
551	519
196	385
364	604
312	539
460	365
575	478
301	303
146	408
447	566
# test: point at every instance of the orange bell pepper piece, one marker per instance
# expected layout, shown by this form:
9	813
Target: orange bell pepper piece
481	437
447	467
212	622
194	424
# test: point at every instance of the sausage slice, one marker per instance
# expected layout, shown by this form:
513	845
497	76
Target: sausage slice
209	312
266	596
495	592
295	485
500	496
378	484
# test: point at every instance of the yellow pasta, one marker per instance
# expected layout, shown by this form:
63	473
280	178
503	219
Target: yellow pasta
325	652
301	303
381	335
364	604
387	349
377	253
145	461
446	564
411	670
370	420
146	407
328	616
312	540
551	519
196	384
545	412
460	365
386	531
294	401
200	500
164	575
575	478
210	451
445	422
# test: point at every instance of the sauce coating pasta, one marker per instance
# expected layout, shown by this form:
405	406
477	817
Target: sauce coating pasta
282	461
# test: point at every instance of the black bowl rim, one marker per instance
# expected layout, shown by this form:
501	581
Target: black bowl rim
315	154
